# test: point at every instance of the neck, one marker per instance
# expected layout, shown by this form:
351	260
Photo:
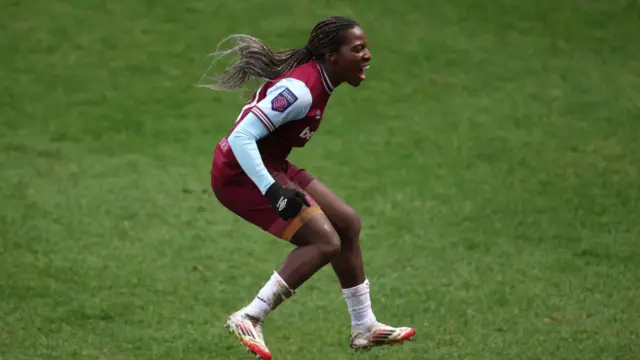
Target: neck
331	74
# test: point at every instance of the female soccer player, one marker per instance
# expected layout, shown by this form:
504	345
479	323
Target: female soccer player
251	176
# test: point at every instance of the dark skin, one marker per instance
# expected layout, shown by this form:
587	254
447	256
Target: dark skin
332	237
346	65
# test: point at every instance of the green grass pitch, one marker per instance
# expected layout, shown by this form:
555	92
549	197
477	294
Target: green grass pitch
493	154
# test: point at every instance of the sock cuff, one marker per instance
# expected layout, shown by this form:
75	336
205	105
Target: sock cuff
357	290
282	285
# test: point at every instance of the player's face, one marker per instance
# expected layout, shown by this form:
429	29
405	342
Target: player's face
354	56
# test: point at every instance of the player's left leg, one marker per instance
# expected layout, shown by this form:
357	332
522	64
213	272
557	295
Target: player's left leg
348	266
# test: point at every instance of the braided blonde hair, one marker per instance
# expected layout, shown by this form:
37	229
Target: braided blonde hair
258	60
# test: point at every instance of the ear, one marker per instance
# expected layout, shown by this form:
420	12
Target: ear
331	57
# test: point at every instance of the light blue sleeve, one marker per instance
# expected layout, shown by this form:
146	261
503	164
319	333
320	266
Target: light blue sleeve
288	100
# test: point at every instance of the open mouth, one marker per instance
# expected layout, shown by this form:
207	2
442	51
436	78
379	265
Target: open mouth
361	72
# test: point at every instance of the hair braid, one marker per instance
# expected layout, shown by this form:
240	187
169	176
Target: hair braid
259	61
329	34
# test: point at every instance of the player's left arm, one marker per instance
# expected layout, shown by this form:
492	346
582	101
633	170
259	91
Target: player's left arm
288	100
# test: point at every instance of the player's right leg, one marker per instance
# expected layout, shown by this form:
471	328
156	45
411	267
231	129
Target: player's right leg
316	243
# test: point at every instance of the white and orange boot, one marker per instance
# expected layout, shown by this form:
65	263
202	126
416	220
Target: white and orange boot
246	323
379	335
366	331
249	331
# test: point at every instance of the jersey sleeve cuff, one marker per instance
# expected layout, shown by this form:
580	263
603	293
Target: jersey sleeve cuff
266	185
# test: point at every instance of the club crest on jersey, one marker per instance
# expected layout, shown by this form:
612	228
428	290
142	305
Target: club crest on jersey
283	100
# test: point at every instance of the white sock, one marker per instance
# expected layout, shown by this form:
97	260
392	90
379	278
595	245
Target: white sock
272	294
359	304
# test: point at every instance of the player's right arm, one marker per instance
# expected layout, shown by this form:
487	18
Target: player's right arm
288	100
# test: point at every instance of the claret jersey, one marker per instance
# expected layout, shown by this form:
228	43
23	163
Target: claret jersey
282	114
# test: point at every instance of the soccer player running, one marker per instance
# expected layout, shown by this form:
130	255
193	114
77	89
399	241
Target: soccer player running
252	177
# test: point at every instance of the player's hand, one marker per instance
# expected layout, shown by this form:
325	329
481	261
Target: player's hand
287	202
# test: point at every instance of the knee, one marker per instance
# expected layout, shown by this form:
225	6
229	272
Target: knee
330	243
320	233
350	225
